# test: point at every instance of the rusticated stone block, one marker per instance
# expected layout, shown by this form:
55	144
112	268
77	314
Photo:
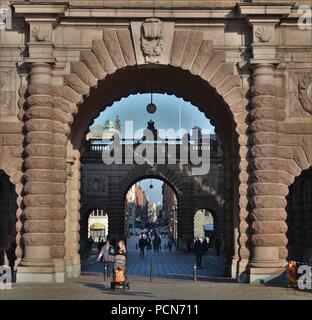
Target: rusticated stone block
44	163
202	57
243	240
179	41
241	117
216	59
45	150
102	54
264	126
267	164
12	139
57	201
240	105
226	86
44	226
126	46
243	213
268	202
112	45
262	113
81	70
45	138
270	176
269	240
263	138
43	239
243	226
73	81
58	252
40	90
264	102
44	213
90	60
224	71
191	49
268	189
68	94
233	96
44	188
40	100
65	105
244	253
269	227
47	126
264	151
39	112
264	90
283	253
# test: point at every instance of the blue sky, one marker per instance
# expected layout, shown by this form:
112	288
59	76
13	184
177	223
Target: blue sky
155	194
133	108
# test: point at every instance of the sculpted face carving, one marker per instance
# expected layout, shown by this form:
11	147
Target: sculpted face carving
305	92
152	40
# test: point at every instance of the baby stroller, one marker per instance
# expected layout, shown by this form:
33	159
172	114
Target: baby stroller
120	274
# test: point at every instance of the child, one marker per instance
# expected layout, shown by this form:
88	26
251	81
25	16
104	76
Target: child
119	276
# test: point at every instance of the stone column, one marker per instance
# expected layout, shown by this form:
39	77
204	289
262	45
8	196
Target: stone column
267	190
45	177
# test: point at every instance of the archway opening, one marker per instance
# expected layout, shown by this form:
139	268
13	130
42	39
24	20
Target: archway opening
94	228
151	211
8	219
299	218
224	145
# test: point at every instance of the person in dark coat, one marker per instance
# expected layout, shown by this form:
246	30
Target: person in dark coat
198	250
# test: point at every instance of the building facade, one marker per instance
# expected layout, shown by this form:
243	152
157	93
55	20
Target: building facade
246	65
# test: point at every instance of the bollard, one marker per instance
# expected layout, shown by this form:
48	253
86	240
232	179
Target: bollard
194	272
151	271
105	272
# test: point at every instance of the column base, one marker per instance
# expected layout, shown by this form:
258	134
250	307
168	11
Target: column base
268	275
76	271
35	274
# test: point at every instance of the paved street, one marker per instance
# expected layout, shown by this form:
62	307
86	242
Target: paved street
172	280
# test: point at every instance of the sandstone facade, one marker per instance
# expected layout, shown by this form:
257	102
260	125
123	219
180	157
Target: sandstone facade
247	66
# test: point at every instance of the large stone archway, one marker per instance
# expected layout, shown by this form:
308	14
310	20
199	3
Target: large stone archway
258	99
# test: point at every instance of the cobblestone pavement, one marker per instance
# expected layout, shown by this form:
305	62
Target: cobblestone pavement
172	280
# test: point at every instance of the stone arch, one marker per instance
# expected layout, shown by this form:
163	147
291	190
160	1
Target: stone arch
63	108
216	207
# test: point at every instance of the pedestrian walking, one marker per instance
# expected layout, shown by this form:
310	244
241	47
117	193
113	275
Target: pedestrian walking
142	245
198	250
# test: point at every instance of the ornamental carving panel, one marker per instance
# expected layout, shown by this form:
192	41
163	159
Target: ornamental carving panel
305	92
152	41
7	93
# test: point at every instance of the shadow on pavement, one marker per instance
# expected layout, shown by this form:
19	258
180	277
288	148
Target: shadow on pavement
105	288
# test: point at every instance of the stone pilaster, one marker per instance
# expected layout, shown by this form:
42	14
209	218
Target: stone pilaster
45	176
267	190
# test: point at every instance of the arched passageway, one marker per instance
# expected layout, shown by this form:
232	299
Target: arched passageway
299	218
8	220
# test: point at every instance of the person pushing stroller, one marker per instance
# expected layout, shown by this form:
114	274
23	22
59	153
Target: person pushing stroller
120	270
